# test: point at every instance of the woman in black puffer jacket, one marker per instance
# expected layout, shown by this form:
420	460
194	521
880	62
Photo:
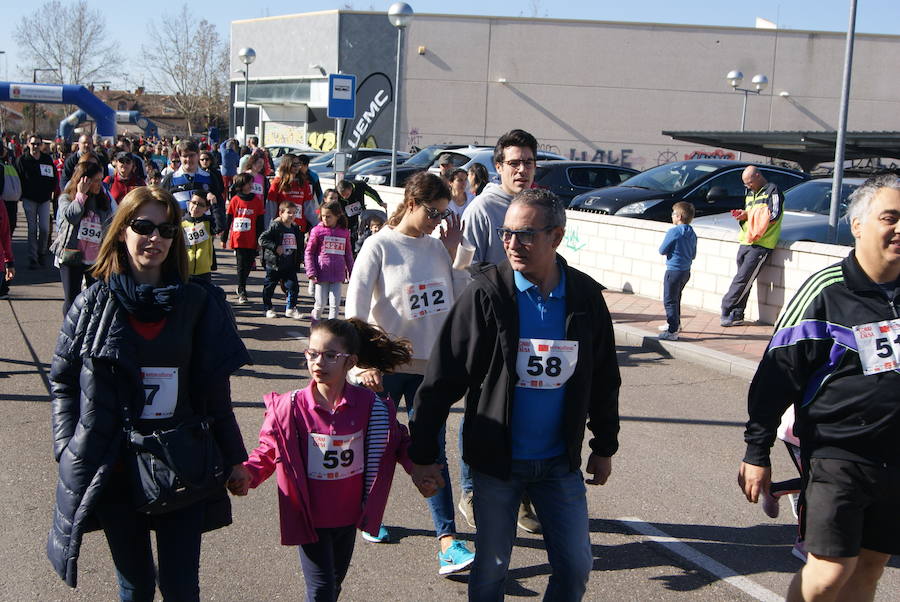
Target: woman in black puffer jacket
144	335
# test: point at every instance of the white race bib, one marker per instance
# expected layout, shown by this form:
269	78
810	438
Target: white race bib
334	457
195	234
160	391
878	344
90	230
241	224
426	298
256	188
47	171
334	245
353	209
545	363
289	242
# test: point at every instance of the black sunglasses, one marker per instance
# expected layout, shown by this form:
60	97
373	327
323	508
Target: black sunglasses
145	227
433	213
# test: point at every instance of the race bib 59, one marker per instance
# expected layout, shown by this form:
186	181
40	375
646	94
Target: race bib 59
334	457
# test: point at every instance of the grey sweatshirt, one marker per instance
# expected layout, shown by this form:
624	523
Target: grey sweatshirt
481	219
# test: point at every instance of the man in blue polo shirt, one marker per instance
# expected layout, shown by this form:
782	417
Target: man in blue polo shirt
530	346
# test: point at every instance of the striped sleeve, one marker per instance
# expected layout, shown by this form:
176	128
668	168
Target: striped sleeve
376	442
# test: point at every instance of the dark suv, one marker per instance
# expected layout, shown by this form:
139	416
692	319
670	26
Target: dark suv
381	173
711	185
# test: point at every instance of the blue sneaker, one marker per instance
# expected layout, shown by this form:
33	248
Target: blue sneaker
383	536
456	558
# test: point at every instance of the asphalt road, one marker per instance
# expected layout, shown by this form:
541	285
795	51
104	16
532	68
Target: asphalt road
670	524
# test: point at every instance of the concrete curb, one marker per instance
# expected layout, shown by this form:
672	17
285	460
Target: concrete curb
692	352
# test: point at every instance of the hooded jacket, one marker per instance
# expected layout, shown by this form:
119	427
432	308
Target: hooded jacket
475	357
481	218
93	367
282	449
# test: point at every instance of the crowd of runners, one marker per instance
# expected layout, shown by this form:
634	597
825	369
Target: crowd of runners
457	296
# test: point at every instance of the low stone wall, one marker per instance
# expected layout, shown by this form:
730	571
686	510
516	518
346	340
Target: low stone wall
623	254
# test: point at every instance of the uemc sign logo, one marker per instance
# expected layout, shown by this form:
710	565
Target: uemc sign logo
368	118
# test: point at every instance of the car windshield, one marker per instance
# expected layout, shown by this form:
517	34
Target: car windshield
671	176
815	197
424	157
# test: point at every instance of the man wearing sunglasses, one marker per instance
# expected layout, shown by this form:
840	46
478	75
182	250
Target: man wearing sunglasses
530	347
38	176
514	158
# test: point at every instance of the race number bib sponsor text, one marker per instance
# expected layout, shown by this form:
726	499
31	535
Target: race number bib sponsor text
334	457
241	224
426	298
334	245
195	234
878	344
545	363
289	242
47	171
90	230
353	209
160	391
256	188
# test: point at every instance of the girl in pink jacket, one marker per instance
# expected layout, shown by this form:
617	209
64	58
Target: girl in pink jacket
329	258
333	447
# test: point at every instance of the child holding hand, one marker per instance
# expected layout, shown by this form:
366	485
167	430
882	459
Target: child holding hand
333	447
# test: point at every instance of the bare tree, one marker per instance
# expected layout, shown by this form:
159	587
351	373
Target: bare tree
188	59
68	37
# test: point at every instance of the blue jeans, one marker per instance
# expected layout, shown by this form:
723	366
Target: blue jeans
127	532
273	277
674	282
465	473
559	498
441	505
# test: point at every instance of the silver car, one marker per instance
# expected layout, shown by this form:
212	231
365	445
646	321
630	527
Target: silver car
806	208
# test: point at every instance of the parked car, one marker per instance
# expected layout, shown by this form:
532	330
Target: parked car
567	179
324	164
466	157
806	208
422	160
277	151
711	185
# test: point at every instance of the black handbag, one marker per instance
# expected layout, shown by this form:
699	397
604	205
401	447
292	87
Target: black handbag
174	468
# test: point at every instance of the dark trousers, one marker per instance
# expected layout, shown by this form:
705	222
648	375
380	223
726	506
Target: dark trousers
127	532
244	259
326	561
273	277
71	277
674	282
750	259
12	208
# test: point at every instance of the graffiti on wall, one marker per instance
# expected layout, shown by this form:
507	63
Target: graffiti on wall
413	138
705	154
325	141
572	240
624	157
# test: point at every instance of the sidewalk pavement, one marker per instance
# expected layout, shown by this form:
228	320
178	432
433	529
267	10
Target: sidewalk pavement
735	350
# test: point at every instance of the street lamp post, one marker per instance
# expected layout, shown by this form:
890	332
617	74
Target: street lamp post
399	14
247	56
759	81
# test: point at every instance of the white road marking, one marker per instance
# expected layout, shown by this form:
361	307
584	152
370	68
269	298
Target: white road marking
706	563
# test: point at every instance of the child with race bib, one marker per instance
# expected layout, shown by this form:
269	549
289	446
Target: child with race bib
406	282
333	447
329	258
198	235
280	256
245	215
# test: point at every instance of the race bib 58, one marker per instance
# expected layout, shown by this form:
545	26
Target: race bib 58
545	363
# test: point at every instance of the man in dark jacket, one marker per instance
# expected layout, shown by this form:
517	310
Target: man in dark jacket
835	355
38	176
530	346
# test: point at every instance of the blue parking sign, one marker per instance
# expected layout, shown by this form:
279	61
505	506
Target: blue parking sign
341	96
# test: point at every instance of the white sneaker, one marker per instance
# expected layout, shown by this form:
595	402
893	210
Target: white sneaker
665	327
668	336
292	313
270	313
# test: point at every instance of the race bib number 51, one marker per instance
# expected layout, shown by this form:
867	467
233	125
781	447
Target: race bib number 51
878	344
545	363
334	457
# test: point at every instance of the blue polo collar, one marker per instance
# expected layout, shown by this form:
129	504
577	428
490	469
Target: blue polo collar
523	284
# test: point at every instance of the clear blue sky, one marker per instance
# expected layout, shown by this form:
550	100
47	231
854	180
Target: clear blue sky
126	21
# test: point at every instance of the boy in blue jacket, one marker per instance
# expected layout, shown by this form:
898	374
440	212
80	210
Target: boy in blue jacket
680	248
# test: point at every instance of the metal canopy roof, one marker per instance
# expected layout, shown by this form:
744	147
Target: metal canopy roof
806	148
